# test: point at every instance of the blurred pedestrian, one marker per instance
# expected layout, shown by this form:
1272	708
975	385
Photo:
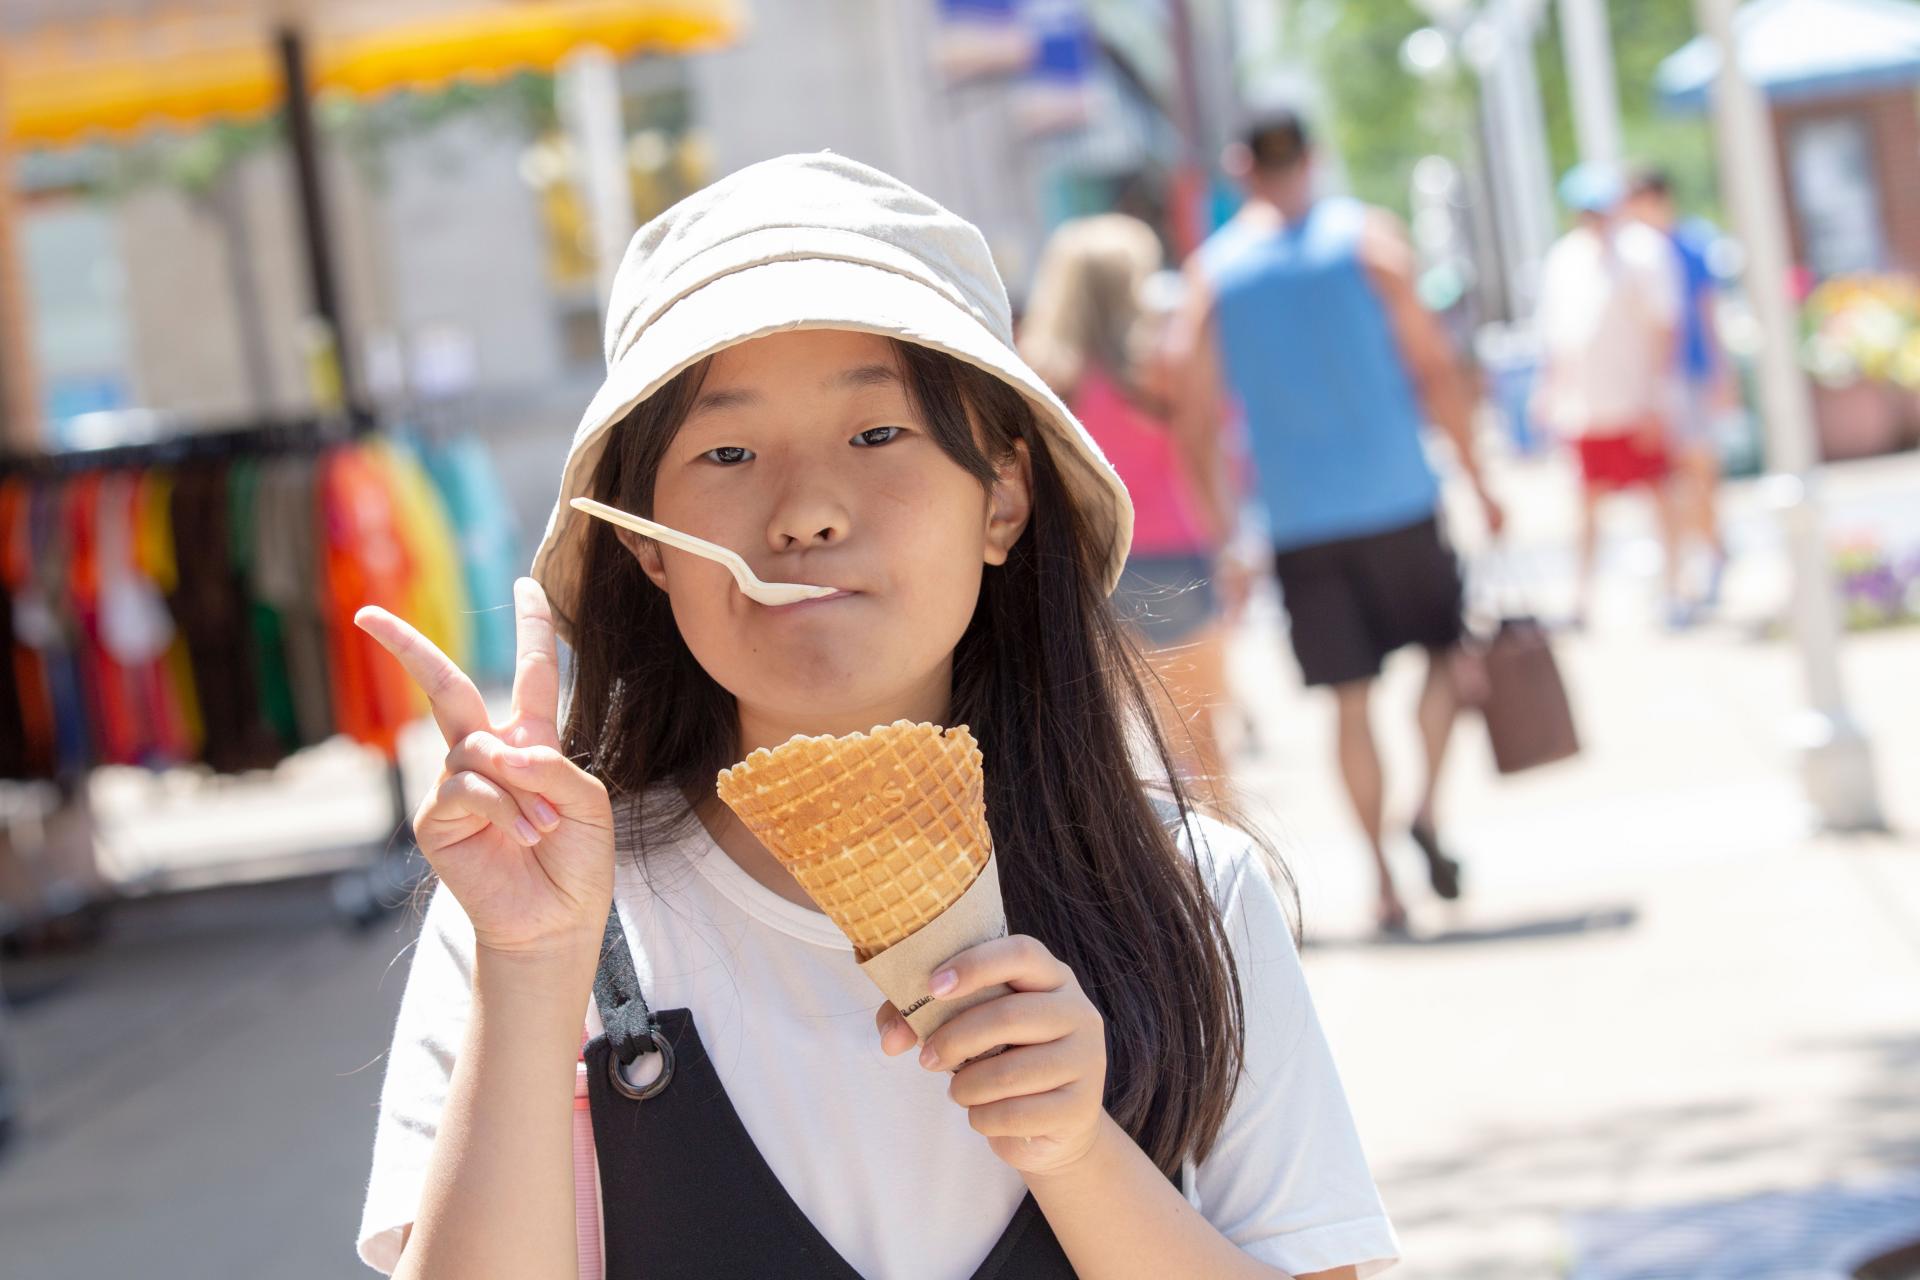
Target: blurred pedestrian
1707	392
1095	329
1608	313
1305	310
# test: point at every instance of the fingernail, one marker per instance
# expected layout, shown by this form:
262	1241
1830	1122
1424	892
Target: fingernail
517	759
943	982
928	1058
524	829
544	815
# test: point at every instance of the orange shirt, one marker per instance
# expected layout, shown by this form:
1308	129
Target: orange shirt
366	562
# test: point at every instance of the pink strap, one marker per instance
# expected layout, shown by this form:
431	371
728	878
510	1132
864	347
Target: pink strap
586	1176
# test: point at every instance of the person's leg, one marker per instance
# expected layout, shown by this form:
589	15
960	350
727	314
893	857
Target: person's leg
1668	502
1590	498
1414	596
1337	649
1700	474
1438	708
1697	462
1171	602
1194	673
1366	789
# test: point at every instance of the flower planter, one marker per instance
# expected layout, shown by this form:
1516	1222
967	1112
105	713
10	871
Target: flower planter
1860	419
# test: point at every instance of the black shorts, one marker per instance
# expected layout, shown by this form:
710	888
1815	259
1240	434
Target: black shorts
1353	601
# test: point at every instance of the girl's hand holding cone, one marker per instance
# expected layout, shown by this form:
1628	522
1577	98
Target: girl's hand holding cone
1039	1103
521	835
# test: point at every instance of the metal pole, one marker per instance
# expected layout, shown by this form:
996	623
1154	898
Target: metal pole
1513	102
1489	247
1189	178
324	292
590	104
1588	49
1836	760
228	201
19	389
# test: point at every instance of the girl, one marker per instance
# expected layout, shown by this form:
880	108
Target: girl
1091	333
811	363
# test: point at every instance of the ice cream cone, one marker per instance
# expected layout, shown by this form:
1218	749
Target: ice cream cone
888	832
885	830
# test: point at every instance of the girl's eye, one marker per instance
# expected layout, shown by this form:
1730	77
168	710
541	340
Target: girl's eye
873	436
727	455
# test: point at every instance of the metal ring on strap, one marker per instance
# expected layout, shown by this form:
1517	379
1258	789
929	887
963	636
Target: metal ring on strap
653	1087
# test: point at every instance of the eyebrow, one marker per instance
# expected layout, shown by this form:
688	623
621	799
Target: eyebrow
855	379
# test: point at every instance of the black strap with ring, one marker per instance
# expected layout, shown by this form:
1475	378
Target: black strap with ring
631	1027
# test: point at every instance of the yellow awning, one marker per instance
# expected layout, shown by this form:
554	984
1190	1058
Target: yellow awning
60	83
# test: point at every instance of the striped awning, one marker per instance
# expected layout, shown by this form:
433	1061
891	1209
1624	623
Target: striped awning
70	69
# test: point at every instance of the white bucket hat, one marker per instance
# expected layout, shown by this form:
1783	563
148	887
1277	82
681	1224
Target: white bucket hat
809	242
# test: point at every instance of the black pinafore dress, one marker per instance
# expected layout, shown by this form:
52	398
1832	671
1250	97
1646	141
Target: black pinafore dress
687	1195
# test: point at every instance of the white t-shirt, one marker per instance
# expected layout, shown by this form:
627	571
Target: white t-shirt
870	1147
1603	303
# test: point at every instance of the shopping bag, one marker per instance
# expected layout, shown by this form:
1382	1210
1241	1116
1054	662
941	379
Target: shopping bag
1529	717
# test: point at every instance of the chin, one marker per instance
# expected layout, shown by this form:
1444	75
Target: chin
829	701
790	683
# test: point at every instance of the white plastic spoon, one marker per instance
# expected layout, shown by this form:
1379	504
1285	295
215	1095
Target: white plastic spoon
768	593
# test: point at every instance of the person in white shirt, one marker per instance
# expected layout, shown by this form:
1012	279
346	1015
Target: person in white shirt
811	364
1608	312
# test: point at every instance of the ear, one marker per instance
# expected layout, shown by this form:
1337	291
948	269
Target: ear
1009	503
647	553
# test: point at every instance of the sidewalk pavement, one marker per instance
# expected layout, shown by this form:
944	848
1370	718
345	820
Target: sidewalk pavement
1664	990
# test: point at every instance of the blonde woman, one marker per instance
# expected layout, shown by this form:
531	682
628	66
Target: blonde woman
1094	329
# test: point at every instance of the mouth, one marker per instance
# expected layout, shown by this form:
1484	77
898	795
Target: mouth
810	604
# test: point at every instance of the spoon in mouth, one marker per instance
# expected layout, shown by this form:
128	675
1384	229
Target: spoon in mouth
767	593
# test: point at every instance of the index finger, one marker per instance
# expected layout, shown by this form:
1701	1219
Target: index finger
457	706
1021	962
536	671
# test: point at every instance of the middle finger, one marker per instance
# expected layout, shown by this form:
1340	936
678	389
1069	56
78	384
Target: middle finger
1031	1068
1025	1017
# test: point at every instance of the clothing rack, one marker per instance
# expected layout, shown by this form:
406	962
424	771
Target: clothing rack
366	879
276	435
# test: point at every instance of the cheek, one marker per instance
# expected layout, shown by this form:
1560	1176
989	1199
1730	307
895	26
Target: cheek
935	548
702	505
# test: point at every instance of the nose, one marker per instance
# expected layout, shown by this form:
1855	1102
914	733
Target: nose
808	513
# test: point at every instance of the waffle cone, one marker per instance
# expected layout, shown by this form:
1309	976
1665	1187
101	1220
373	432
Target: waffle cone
885	830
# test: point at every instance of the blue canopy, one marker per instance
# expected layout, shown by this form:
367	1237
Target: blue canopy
1801	49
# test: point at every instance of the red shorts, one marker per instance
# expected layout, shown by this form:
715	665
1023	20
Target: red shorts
1623	459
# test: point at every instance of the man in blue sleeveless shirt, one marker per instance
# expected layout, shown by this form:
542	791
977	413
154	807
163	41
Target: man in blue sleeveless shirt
1304	311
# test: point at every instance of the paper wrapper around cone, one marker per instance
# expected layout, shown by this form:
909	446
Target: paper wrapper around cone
887	832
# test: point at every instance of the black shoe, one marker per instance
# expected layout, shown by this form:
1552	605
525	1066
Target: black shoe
1442	870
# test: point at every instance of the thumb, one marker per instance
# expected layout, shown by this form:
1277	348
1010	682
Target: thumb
896	1037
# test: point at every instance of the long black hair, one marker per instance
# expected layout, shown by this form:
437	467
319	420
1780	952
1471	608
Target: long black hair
1053	690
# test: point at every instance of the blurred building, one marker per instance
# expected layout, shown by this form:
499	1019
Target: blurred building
463	251
1839	77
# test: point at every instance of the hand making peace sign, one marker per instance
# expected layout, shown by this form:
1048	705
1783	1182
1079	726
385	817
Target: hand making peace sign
521	836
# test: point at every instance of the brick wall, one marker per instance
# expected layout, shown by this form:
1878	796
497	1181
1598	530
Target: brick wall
1892	121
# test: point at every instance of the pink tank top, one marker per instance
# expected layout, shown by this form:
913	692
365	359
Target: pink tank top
1166	514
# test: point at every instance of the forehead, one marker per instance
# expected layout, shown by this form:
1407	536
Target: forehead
818	355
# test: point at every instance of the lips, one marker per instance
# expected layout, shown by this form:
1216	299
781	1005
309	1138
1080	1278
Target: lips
802	604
